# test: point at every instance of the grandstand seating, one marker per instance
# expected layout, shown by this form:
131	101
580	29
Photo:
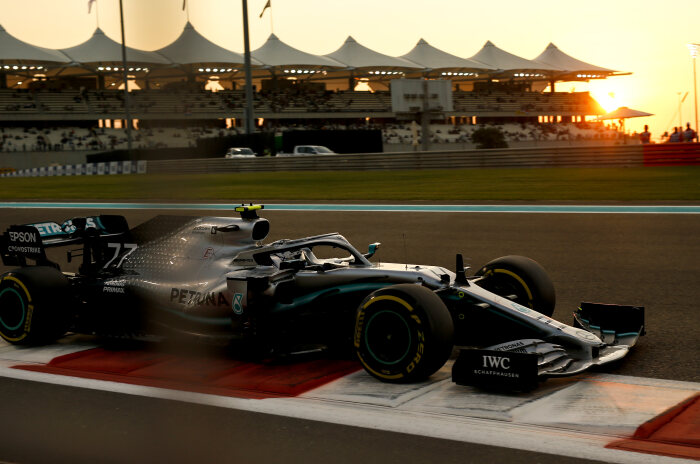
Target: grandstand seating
276	107
75	138
49	139
15	102
524	103
66	101
447	133
156	104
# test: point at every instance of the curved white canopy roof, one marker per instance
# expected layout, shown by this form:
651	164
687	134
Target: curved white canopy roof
624	112
274	52
500	59
13	50
357	56
432	58
191	47
101	49
552	56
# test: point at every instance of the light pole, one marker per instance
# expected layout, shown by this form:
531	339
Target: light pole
248	78
694	49
127	112
680	105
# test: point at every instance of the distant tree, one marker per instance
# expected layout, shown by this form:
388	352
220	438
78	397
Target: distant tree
489	137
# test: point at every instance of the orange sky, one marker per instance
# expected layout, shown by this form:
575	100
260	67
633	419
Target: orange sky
647	38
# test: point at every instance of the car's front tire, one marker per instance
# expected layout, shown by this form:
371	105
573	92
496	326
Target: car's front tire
403	333
33	305
521	279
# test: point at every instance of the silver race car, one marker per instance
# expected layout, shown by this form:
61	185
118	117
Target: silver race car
213	278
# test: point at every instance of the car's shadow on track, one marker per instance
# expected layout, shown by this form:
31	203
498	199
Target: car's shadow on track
195	367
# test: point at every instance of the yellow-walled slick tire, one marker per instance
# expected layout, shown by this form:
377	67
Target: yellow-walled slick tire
403	333
521	279
33	304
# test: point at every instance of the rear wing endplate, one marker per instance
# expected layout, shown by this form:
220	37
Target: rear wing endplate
29	241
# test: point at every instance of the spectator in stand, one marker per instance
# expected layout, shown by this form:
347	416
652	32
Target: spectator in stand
645	137
676	136
689	135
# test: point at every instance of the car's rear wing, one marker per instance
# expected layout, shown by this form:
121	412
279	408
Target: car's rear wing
29	241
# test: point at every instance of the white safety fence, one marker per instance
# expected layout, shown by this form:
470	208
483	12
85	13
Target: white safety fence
83	169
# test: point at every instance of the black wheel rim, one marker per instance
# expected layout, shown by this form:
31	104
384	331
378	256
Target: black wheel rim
388	337
12	309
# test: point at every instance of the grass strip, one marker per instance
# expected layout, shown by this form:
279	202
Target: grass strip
542	184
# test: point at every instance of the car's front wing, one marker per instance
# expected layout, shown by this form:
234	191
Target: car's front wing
521	364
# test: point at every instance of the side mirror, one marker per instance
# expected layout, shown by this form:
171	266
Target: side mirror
372	249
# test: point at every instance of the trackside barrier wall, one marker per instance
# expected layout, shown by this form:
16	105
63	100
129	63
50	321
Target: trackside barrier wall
84	169
672	154
668	154
600	156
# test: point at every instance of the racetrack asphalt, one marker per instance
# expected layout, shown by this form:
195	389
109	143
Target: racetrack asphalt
642	259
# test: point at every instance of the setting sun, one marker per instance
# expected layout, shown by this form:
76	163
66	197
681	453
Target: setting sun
608	100
609	93
652	48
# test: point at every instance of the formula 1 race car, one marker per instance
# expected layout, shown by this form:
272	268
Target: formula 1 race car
212	278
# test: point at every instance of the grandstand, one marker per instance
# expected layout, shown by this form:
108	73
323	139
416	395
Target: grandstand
71	102
74	119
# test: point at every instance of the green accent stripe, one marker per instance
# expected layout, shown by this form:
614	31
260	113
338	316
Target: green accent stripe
301	301
339	290
627	334
202	320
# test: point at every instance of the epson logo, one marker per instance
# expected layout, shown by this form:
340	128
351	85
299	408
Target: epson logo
497	362
24	237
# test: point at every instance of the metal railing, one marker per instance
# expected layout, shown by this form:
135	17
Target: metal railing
597	156
671	154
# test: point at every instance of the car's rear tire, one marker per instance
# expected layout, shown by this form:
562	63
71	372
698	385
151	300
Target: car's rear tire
33	305
521	279
403	333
